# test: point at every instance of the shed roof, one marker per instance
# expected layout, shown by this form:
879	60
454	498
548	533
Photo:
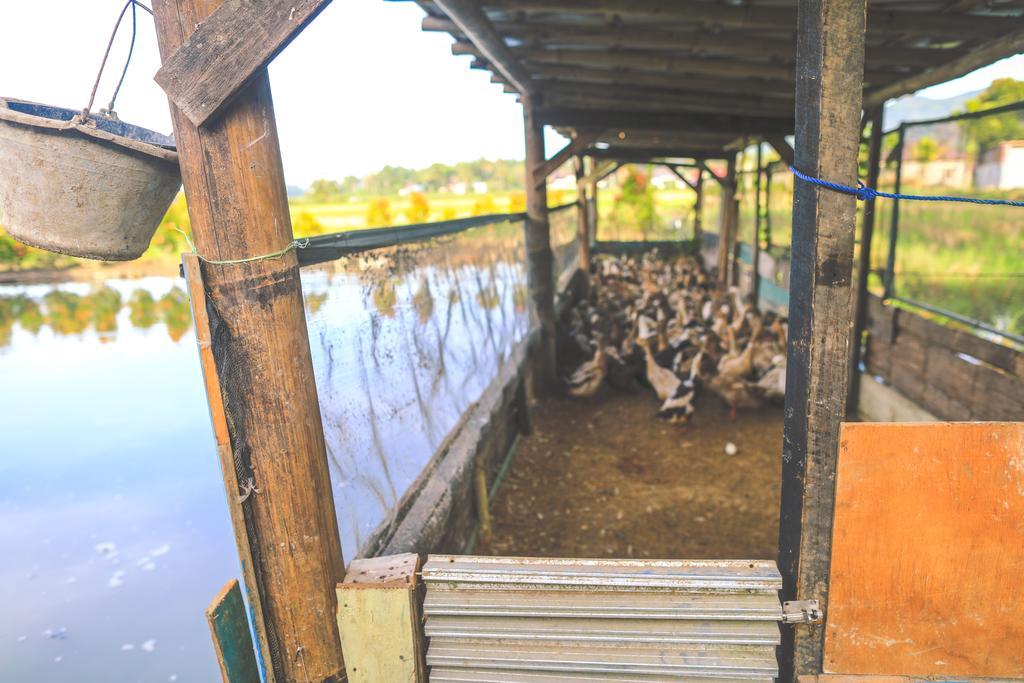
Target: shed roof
687	78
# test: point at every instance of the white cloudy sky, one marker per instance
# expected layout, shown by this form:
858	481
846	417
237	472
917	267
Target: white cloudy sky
360	88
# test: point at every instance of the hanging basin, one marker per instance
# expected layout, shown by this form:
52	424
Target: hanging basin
96	188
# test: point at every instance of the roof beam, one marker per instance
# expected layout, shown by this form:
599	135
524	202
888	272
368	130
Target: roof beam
984	55
879	23
642	61
654	101
472	21
782	148
693	40
624	120
724	86
576	145
679	174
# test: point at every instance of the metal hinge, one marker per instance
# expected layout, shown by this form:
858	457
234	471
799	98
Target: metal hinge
801	612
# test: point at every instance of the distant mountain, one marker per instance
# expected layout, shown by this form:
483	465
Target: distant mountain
296	191
916	108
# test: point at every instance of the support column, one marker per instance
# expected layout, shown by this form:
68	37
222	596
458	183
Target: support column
583	220
592	213
727	222
698	206
282	508
539	258
829	83
864	262
756	242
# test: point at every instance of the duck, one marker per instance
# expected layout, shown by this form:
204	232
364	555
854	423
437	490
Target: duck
587	379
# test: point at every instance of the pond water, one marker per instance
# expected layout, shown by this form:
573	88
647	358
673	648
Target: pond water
113	524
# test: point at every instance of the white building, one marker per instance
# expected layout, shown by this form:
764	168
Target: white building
1002	167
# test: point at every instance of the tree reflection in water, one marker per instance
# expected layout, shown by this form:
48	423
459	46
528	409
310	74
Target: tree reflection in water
67	313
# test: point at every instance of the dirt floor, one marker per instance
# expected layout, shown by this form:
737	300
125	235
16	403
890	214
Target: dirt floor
605	478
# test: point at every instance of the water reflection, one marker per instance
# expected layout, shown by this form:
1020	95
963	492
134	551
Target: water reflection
66	312
112	515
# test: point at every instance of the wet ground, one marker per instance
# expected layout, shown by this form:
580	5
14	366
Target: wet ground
605	478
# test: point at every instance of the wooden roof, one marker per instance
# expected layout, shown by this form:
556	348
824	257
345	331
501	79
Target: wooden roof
687	78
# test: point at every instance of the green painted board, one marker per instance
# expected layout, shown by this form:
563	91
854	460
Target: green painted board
231	639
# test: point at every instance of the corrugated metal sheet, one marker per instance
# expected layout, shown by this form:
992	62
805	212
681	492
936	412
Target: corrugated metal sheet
513	620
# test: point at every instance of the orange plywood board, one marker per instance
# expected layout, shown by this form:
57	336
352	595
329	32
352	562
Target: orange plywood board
927	575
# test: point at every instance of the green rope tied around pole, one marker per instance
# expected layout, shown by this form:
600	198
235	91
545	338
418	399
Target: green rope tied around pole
293	245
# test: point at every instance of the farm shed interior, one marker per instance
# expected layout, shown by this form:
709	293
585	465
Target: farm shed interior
469	308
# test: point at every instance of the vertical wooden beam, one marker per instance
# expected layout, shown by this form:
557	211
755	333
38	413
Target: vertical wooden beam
698	206
592	213
864	262
539	258
727	222
756	244
829	83
285	522
582	209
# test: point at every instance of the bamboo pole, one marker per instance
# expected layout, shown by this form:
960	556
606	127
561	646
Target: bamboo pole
539	258
283	510
830	57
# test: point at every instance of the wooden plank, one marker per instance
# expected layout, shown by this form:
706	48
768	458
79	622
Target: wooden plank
728	217
231	640
666	13
574	147
379	622
688	39
222	439
926	581
724	123
227	48
983	55
582	219
668	82
278	480
782	148
473	22
830	54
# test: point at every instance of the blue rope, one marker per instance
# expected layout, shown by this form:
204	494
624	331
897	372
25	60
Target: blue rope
865	193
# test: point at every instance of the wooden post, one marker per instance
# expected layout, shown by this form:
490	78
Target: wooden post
727	221
582	209
864	262
539	258
698	206
282	507
592	213
756	243
829	68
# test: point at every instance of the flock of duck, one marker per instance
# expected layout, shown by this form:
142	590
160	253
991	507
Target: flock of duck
665	324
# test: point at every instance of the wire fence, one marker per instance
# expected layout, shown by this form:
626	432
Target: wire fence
960	260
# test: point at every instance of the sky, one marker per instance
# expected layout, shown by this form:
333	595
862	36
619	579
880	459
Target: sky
360	88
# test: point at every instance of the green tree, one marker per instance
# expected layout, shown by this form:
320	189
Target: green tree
926	149
986	132
323	191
